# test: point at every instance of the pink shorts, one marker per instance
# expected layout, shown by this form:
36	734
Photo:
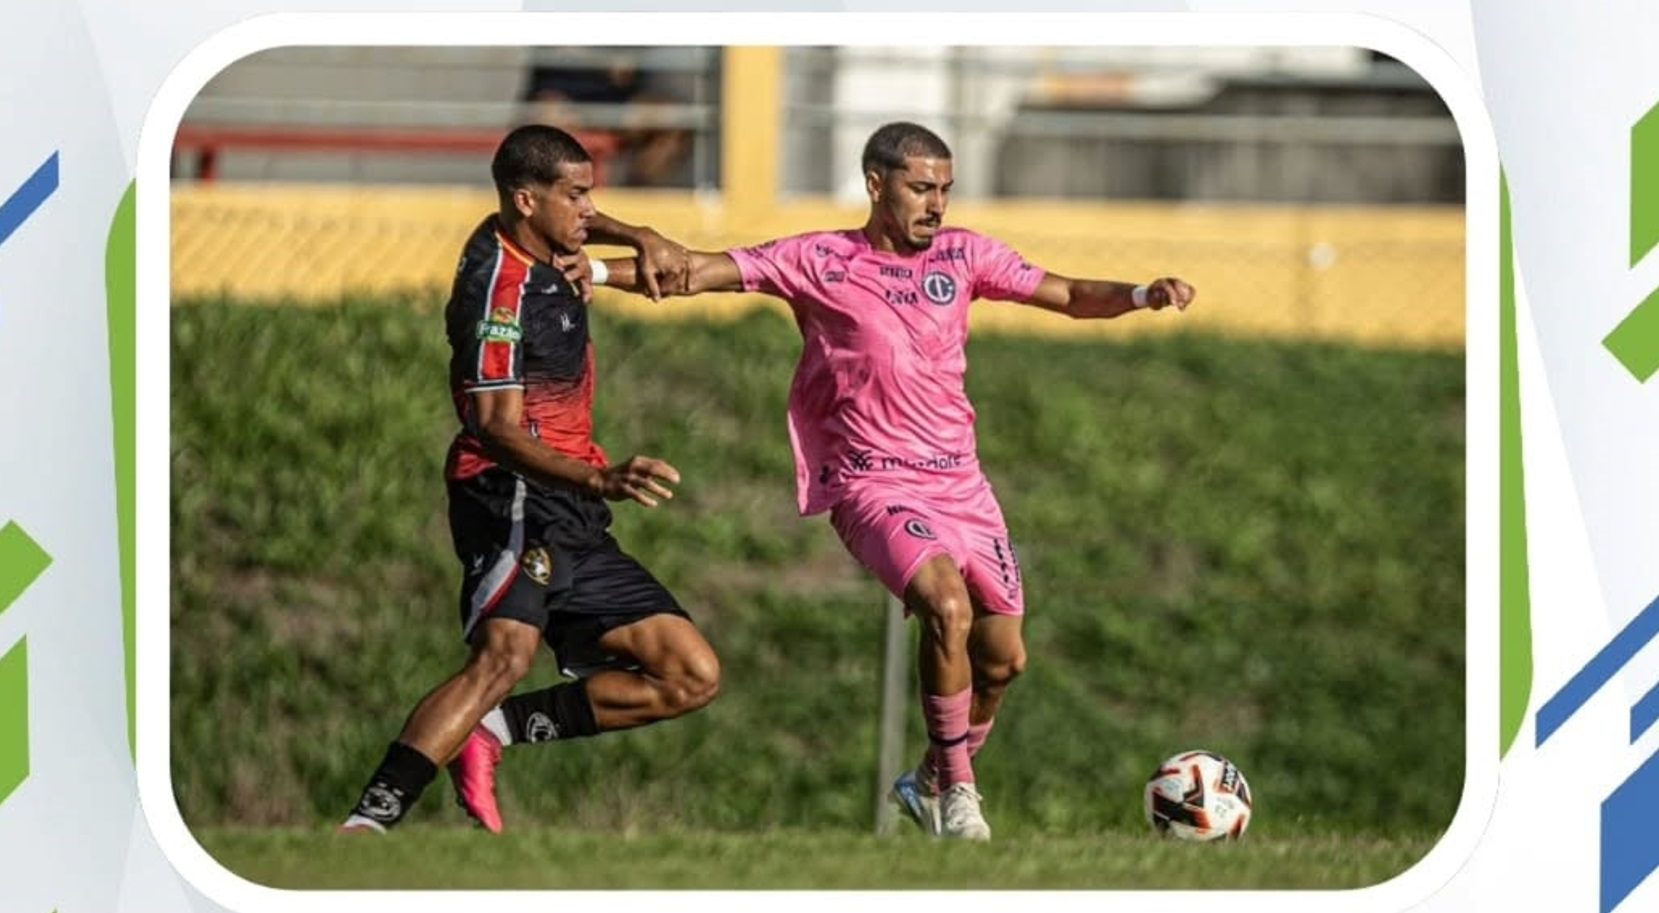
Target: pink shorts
892	531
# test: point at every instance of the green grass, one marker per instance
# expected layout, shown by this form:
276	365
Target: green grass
1251	547
795	859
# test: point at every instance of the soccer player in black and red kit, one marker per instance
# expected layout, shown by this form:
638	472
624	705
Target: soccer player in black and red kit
528	488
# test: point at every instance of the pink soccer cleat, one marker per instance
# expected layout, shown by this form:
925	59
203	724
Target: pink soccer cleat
473	772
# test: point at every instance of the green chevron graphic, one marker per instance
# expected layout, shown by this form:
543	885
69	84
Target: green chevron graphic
1635	341
14	719
1644	185
21	561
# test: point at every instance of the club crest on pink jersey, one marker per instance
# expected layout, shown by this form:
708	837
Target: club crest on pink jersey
939	288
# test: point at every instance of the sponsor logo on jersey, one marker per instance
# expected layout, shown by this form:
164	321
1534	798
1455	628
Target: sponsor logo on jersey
936	461
949	255
900	295
502	326
896	272
835	276
894	510
939	288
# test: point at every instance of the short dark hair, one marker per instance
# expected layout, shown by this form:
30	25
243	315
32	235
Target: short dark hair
532	154
890	145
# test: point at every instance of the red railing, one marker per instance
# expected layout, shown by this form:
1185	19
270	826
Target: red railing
206	143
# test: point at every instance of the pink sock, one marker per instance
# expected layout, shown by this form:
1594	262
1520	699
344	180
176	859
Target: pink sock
977	734
947	729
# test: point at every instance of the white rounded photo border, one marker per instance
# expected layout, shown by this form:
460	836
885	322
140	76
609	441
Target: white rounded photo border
154	396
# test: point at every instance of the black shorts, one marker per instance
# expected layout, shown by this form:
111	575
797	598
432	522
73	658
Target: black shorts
547	559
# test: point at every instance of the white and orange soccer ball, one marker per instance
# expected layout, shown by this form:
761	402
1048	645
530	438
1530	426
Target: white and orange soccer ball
1198	795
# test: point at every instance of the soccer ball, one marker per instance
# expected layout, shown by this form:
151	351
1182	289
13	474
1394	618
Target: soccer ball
1198	795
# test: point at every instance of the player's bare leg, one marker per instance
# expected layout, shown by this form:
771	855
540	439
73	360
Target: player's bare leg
678	673
997	654
502	651
938	597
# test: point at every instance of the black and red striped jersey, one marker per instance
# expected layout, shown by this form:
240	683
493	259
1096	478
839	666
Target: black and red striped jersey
515	322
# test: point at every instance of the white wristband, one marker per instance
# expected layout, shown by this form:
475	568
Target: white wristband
601	272
1137	295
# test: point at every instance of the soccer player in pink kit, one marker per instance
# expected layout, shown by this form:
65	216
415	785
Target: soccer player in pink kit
883	432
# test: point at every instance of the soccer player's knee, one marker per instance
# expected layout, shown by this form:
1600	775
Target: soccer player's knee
995	670
697	685
951	616
1005	671
503	667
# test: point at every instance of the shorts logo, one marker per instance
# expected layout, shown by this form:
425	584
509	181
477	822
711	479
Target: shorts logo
502	326
939	288
538	565
539	728
917	528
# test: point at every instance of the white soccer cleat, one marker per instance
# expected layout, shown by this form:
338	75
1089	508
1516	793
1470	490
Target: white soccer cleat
959	814
915	793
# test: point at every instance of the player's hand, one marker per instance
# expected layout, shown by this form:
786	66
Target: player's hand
1169	292
578	271
662	263
640	478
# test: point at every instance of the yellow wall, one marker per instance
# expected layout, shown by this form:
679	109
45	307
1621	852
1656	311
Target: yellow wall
1371	275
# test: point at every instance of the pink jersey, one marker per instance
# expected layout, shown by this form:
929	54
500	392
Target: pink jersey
879	393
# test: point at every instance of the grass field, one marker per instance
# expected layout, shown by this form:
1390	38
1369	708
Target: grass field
798	859
1251	547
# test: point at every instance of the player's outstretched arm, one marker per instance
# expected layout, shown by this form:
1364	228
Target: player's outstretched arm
665	261
1101	298
498	413
705	272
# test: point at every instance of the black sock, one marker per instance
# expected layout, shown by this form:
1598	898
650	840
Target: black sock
396	784
559	712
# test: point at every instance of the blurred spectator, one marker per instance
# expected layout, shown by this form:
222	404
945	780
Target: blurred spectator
650	152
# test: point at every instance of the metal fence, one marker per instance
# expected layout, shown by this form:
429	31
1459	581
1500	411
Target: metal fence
429	115
1329	125
1235	124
